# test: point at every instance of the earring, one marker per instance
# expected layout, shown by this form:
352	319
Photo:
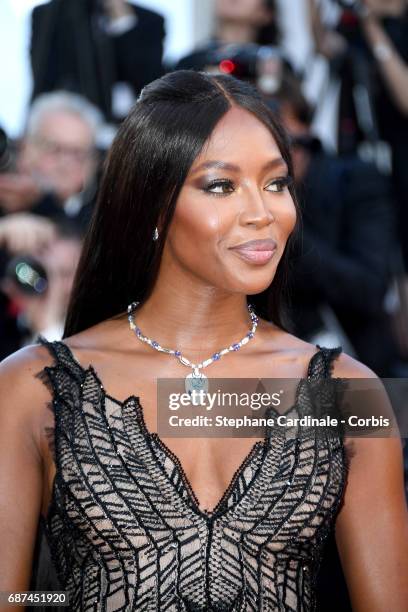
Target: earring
155	234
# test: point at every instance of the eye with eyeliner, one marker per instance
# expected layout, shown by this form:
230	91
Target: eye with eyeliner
223	187
281	183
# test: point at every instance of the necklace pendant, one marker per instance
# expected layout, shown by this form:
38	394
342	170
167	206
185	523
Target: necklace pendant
194	383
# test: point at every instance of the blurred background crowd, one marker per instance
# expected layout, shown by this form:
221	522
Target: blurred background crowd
335	71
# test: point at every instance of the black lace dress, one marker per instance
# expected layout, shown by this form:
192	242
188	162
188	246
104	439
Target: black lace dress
125	529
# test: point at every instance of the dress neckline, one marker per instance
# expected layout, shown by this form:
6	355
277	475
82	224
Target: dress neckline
91	368
221	508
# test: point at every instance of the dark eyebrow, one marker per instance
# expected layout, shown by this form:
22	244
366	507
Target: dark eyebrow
278	162
216	164
271	164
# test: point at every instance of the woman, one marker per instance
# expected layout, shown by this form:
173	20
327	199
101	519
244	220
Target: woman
198	171
237	25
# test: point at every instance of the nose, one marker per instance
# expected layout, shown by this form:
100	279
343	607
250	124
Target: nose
255	211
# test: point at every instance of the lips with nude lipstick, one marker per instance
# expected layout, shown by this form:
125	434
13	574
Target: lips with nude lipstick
256	251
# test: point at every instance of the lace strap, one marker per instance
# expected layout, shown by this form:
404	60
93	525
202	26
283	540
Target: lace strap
65	376
322	363
62	355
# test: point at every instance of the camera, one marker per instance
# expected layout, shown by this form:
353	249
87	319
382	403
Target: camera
262	65
27	275
241	60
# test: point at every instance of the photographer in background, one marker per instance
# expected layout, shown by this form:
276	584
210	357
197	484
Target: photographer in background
22	237
87	46
368	50
38	259
237	22
54	172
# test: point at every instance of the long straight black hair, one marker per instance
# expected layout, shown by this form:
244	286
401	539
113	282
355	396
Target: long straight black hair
145	169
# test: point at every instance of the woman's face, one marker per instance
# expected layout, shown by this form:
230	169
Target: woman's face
235	193
254	12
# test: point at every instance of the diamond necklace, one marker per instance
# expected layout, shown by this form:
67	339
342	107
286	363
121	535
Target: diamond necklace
196	380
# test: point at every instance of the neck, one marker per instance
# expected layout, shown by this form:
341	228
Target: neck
196	323
230	32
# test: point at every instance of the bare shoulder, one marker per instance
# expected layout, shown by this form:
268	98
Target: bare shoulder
289	346
24	398
346	366
18	371
21	374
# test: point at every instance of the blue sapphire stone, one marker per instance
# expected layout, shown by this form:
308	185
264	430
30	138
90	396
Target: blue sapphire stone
177	353
236	346
216	356
155	344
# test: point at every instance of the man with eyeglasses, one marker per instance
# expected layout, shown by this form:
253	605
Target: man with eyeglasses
57	161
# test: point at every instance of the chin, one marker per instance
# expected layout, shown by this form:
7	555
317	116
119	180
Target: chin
252	286
254	290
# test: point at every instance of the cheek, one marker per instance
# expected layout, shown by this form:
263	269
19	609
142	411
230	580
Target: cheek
46	163
285	218
199	220
73	176
288	216
196	235
55	168
77	173
284	212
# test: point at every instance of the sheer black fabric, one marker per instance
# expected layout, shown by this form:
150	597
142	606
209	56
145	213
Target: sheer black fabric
125	529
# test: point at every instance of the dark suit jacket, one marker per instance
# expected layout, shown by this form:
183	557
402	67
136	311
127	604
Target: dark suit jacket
71	50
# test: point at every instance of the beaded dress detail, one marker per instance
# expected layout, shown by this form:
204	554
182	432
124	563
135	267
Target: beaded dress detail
125	529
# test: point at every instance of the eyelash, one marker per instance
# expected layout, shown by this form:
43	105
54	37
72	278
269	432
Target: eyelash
282	183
